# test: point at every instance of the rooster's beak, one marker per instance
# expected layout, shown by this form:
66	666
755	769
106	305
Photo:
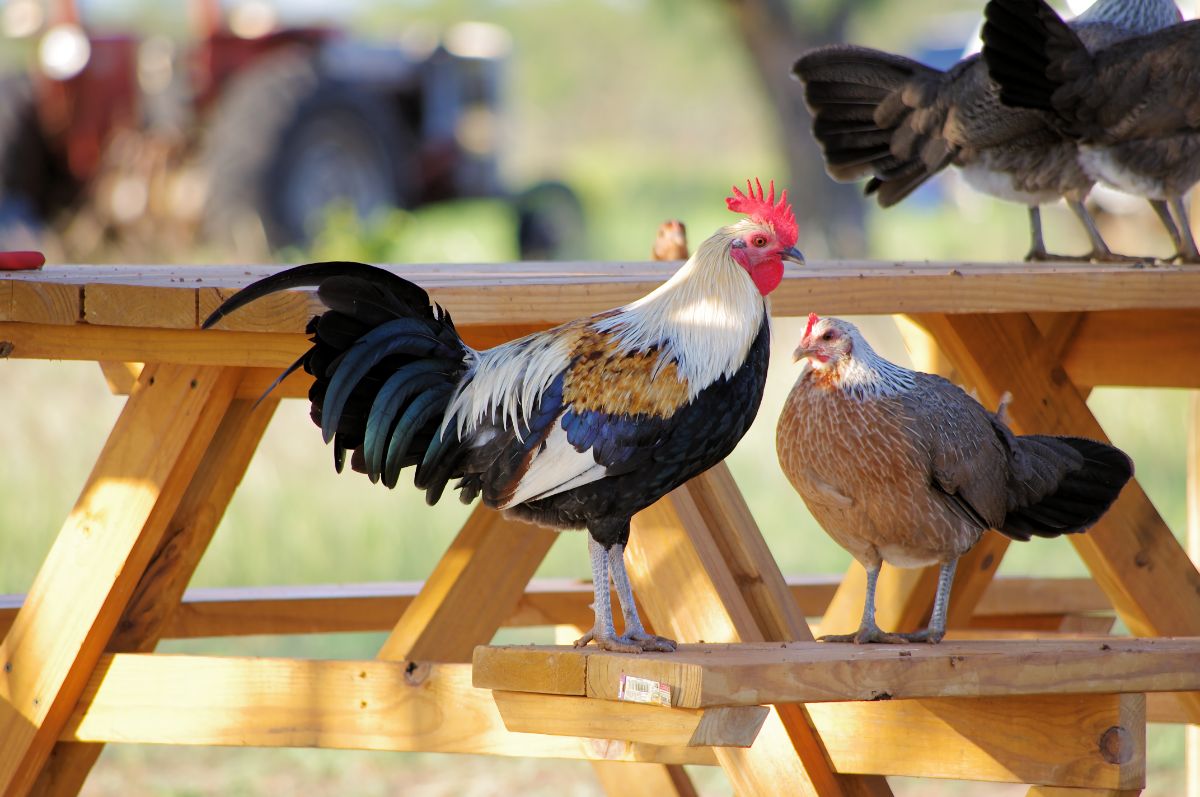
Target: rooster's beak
793	254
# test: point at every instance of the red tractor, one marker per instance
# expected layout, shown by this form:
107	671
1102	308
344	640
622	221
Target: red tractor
244	139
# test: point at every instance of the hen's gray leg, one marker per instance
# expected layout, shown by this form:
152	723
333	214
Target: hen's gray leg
635	633
941	605
1100	251
867	631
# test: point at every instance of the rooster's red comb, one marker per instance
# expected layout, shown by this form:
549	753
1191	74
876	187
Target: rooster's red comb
764	209
813	318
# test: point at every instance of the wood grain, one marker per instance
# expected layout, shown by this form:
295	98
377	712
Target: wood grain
556	715
98	557
541	294
806	672
364	705
157	595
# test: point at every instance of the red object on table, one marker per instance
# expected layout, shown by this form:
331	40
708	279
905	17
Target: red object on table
21	261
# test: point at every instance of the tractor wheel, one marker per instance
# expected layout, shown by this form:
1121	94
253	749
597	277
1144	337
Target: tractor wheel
549	223
285	142
23	163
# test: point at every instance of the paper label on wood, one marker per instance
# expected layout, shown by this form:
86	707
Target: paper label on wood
644	690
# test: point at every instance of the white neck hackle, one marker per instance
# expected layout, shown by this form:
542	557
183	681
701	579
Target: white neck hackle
704	318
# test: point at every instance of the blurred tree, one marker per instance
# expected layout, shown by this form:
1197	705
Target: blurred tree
776	32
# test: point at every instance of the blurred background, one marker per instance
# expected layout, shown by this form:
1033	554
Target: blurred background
134	131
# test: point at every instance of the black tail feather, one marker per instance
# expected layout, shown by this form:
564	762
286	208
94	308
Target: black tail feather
1088	485
1024	45
385	363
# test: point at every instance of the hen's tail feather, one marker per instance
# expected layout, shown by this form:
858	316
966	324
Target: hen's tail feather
862	121
385	363
1092	475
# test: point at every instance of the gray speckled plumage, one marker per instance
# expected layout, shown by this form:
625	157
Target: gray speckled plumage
1130	105
904	467
899	122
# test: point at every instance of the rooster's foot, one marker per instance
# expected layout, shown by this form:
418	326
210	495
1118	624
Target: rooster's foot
865	635
620	644
649	642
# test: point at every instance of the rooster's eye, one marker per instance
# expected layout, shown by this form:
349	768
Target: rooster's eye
760	241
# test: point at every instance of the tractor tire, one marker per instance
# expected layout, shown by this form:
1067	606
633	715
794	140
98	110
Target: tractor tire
284	142
23	166
550	223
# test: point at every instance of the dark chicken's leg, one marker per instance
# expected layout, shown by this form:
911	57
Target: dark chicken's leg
867	631
941	605
1100	252
635	633
603	633
1187	242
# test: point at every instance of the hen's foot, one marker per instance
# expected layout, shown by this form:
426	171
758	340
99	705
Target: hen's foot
930	635
865	635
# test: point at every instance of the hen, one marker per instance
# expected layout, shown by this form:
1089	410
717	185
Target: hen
903	467
1131	106
900	122
580	426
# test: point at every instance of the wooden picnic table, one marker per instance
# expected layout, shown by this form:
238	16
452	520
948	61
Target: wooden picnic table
1056	712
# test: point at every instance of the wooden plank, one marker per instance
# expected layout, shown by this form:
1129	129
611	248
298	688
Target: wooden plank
706	675
1131	552
130	344
517	294
98	557
6	300
731	726
136	306
364	705
1009	602
1118	348
157	595
703	572
1192	497
45	303
1068	791
120	377
493	556
1061	740
1166	707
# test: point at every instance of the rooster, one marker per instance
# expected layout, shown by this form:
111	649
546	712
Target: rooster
580	426
904	467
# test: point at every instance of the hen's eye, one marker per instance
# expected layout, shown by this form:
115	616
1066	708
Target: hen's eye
760	241
828	335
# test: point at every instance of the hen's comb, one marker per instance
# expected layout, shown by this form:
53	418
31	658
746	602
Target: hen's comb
813	318
764	209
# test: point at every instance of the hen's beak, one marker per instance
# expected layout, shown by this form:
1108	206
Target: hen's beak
793	254
801	352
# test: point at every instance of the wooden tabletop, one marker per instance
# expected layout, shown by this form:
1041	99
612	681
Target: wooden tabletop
180	297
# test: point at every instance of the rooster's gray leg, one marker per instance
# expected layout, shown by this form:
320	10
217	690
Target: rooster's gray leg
941	605
635	633
603	633
867	631
1187	242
